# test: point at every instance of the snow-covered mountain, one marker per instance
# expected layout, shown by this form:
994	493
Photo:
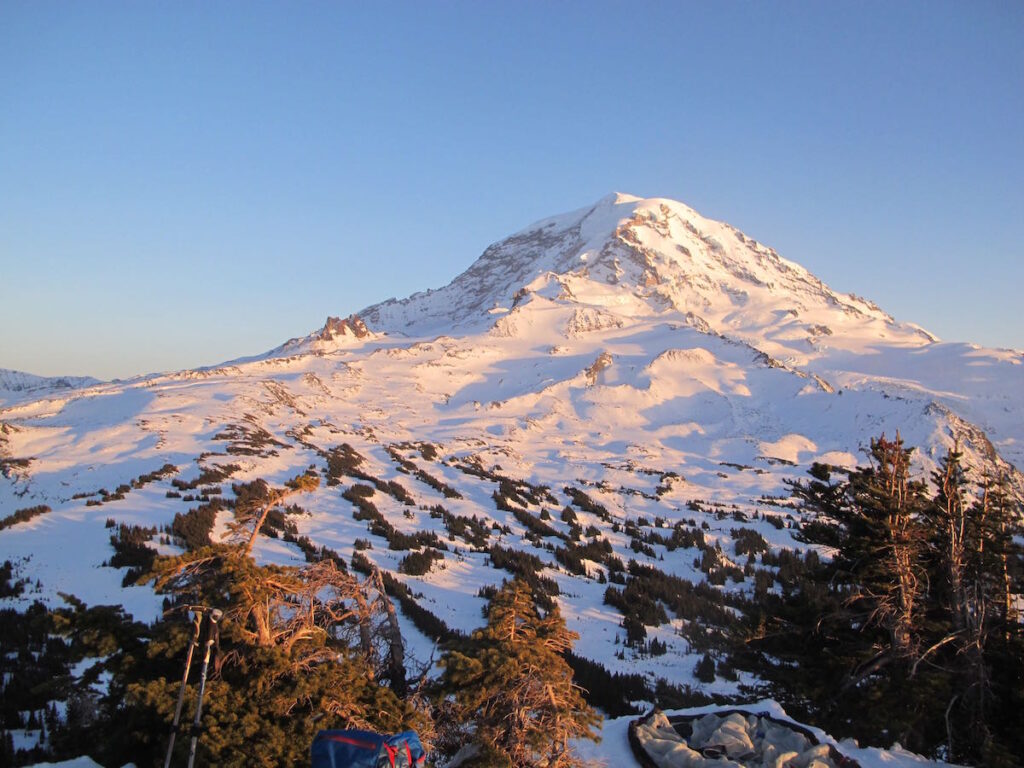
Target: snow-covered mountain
16	385
637	259
633	264
647	368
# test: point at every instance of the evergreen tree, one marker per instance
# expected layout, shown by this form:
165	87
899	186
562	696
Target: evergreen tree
954	651
513	687
294	655
255	500
971	553
883	543
995	674
909	630
6	748
705	669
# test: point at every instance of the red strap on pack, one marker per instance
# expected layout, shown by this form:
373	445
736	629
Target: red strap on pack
350	740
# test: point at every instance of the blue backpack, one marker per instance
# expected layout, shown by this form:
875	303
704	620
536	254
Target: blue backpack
366	749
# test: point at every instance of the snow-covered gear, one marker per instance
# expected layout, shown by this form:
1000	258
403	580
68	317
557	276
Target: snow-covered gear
729	739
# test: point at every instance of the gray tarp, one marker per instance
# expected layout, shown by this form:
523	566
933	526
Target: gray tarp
731	740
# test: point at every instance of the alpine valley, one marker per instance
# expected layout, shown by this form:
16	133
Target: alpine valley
613	404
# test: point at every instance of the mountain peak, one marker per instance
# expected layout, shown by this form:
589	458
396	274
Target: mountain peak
619	198
650	257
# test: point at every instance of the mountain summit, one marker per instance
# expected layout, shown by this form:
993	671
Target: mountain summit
626	258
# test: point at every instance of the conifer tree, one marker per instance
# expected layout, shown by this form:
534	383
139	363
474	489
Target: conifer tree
913	617
290	661
884	542
513	687
258	499
995	673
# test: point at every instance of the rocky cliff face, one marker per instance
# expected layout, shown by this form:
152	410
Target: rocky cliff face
350	326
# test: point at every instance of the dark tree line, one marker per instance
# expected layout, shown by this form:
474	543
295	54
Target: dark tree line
910	632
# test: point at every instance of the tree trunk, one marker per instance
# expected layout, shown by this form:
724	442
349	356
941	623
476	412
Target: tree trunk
396	649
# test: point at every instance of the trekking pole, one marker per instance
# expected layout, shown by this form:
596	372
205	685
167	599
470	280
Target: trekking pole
211	638
197	624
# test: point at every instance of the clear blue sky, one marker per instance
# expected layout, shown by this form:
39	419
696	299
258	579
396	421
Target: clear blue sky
183	183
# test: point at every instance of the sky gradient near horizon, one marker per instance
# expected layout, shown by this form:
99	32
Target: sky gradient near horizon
185	183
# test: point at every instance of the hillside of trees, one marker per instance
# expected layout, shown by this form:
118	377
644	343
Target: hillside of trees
912	630
899	621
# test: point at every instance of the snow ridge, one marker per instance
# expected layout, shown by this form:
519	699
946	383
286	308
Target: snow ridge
17	386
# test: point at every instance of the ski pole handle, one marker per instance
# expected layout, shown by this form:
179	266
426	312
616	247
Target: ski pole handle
211	635
193	644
